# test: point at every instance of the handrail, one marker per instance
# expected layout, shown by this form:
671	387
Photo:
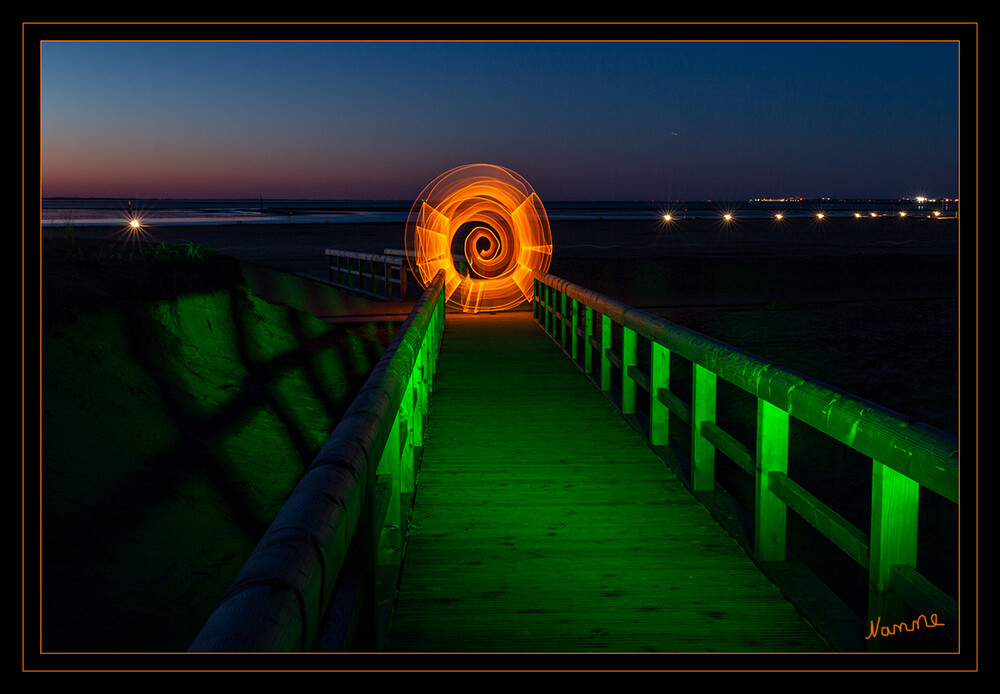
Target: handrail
380	270
906	454
281	598
461	262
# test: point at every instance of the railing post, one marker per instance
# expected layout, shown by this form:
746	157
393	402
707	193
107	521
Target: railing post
588	330
548	309
389	467
893	539
553	298
605	346
557	297
574	326
362	560
409	412
543	294
420	395
659	377
562	318
534	297
703	403
629	358
437	319
772	455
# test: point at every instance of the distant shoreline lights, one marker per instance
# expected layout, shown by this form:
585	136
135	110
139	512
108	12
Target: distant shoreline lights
917	207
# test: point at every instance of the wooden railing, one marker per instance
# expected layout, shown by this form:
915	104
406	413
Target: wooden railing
313	581
905	455
373	274
461	264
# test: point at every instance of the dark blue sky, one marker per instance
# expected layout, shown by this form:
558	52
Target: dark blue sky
579	120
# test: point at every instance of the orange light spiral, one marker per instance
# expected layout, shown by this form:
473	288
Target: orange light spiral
489	220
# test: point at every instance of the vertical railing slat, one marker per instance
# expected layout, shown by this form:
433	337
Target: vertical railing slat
549	291
534	298
588	331
629	358
605	346
772	455
574	326
562	320
703	404
659	377
893	537
389	466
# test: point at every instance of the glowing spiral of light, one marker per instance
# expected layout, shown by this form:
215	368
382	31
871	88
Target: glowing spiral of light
490	220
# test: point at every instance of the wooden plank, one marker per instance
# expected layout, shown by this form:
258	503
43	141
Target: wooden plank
543	523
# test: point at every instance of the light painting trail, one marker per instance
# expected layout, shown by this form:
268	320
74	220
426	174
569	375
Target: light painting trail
487	220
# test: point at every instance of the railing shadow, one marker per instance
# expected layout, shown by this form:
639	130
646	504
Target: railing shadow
323	575
174	425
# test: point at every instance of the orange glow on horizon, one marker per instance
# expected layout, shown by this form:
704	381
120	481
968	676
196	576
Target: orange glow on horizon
506	237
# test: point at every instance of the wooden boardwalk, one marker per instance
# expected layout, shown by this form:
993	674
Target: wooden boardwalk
543	523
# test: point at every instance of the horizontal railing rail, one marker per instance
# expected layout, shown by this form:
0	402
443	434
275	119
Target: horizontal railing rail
312	580
374	274
906	455
461	263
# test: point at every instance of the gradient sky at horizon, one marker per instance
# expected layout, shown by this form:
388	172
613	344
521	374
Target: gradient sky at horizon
579	120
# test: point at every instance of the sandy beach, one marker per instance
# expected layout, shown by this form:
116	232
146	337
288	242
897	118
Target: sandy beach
869	306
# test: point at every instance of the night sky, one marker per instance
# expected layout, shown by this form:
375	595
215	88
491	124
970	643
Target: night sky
631	120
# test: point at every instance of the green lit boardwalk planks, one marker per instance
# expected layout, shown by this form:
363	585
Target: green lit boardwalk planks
543	523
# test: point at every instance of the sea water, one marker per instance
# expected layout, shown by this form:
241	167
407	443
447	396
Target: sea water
116	211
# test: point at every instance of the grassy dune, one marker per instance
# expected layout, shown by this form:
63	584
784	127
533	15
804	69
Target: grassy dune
178	411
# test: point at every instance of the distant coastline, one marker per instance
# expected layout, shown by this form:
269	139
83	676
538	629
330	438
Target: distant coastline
62	211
